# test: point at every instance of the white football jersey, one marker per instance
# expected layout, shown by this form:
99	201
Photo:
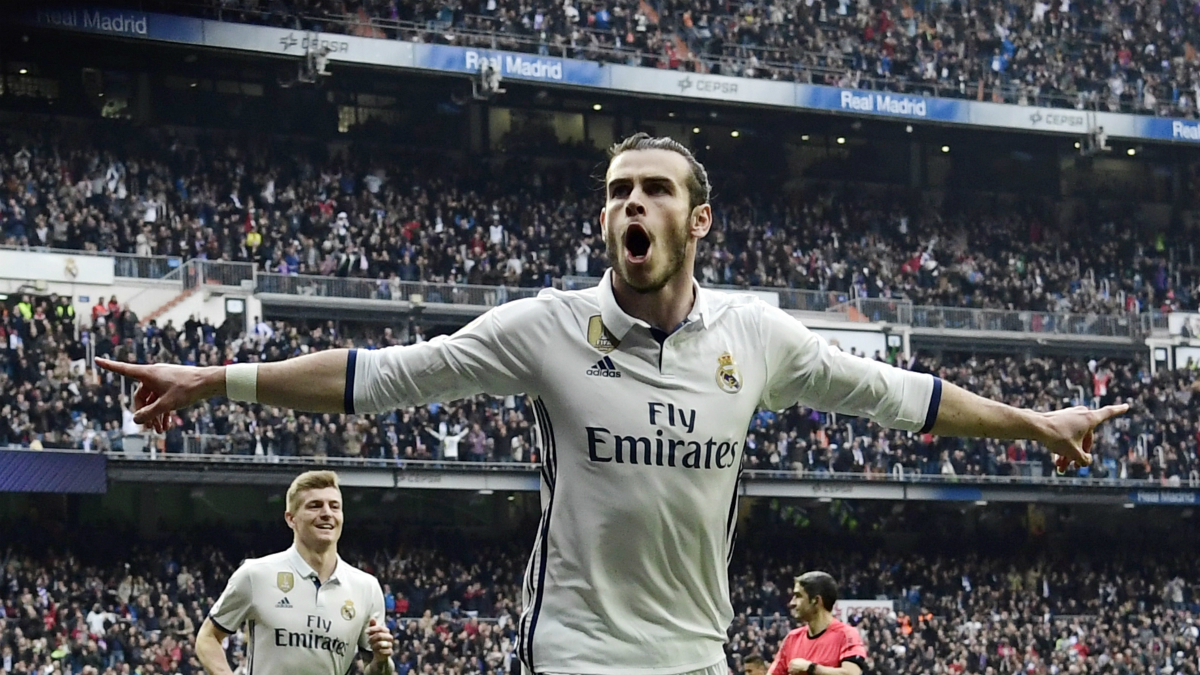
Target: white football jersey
642	448
296	625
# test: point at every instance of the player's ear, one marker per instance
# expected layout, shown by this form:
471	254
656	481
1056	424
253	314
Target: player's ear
604	224
701	221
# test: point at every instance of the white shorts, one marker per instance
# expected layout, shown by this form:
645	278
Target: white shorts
715	669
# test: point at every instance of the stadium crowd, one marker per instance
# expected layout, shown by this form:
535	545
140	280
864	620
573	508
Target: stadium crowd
52	397
453	608
292	209
1121	56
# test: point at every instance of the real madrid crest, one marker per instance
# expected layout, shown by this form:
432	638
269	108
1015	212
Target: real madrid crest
348	610
728	377
285	581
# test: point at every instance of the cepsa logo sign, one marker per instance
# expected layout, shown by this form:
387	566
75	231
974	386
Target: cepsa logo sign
303	43
706	87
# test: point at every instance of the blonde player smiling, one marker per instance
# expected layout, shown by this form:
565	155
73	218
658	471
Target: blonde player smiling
644	388
307	611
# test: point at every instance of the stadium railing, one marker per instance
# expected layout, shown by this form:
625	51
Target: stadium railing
964	318
898	311
199	272
145	448
381	289
1155	322
202	273
125	265
888	310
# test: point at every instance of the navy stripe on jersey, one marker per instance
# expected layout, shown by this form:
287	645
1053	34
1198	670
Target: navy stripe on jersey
544	467
542	552
935	402
731	520
551	450
348	400
251	650
541	584
533	591
549	463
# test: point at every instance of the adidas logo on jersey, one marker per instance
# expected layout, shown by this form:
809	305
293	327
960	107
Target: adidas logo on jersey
604	368
284	604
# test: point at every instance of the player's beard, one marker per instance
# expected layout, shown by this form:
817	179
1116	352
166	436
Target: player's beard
672	248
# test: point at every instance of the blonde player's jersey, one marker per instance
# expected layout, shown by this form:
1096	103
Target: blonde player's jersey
295	624
642	448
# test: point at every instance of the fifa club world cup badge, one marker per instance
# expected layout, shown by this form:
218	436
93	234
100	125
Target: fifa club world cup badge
728	377
348	610
285	581
599	337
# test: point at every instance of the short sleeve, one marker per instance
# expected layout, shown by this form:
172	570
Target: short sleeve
499	353
852	647
779	665
803	368
376	610
234	606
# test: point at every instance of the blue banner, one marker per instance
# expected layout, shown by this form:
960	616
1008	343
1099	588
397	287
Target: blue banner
1170	129
616	78
120	23
48	471
957	493
513	65
881	103
1165	497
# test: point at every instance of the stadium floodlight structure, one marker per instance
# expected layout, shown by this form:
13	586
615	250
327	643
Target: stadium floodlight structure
314	65
1095	141
486	85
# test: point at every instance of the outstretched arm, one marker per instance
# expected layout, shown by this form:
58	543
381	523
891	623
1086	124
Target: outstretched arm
806	369
494	354
1067	432
310	383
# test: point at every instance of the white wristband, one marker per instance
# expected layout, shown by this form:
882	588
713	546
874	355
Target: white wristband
241	382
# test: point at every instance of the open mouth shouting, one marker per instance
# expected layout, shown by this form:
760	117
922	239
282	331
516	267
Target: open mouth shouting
637	243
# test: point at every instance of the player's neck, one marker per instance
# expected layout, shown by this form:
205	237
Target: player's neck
665	308
819	623
323	561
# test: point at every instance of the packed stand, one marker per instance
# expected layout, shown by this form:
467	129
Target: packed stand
293	209
1122	56
988	256
991	614
621	31
54	398
1158	440
454	609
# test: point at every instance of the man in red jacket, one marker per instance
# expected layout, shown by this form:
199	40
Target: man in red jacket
824	645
